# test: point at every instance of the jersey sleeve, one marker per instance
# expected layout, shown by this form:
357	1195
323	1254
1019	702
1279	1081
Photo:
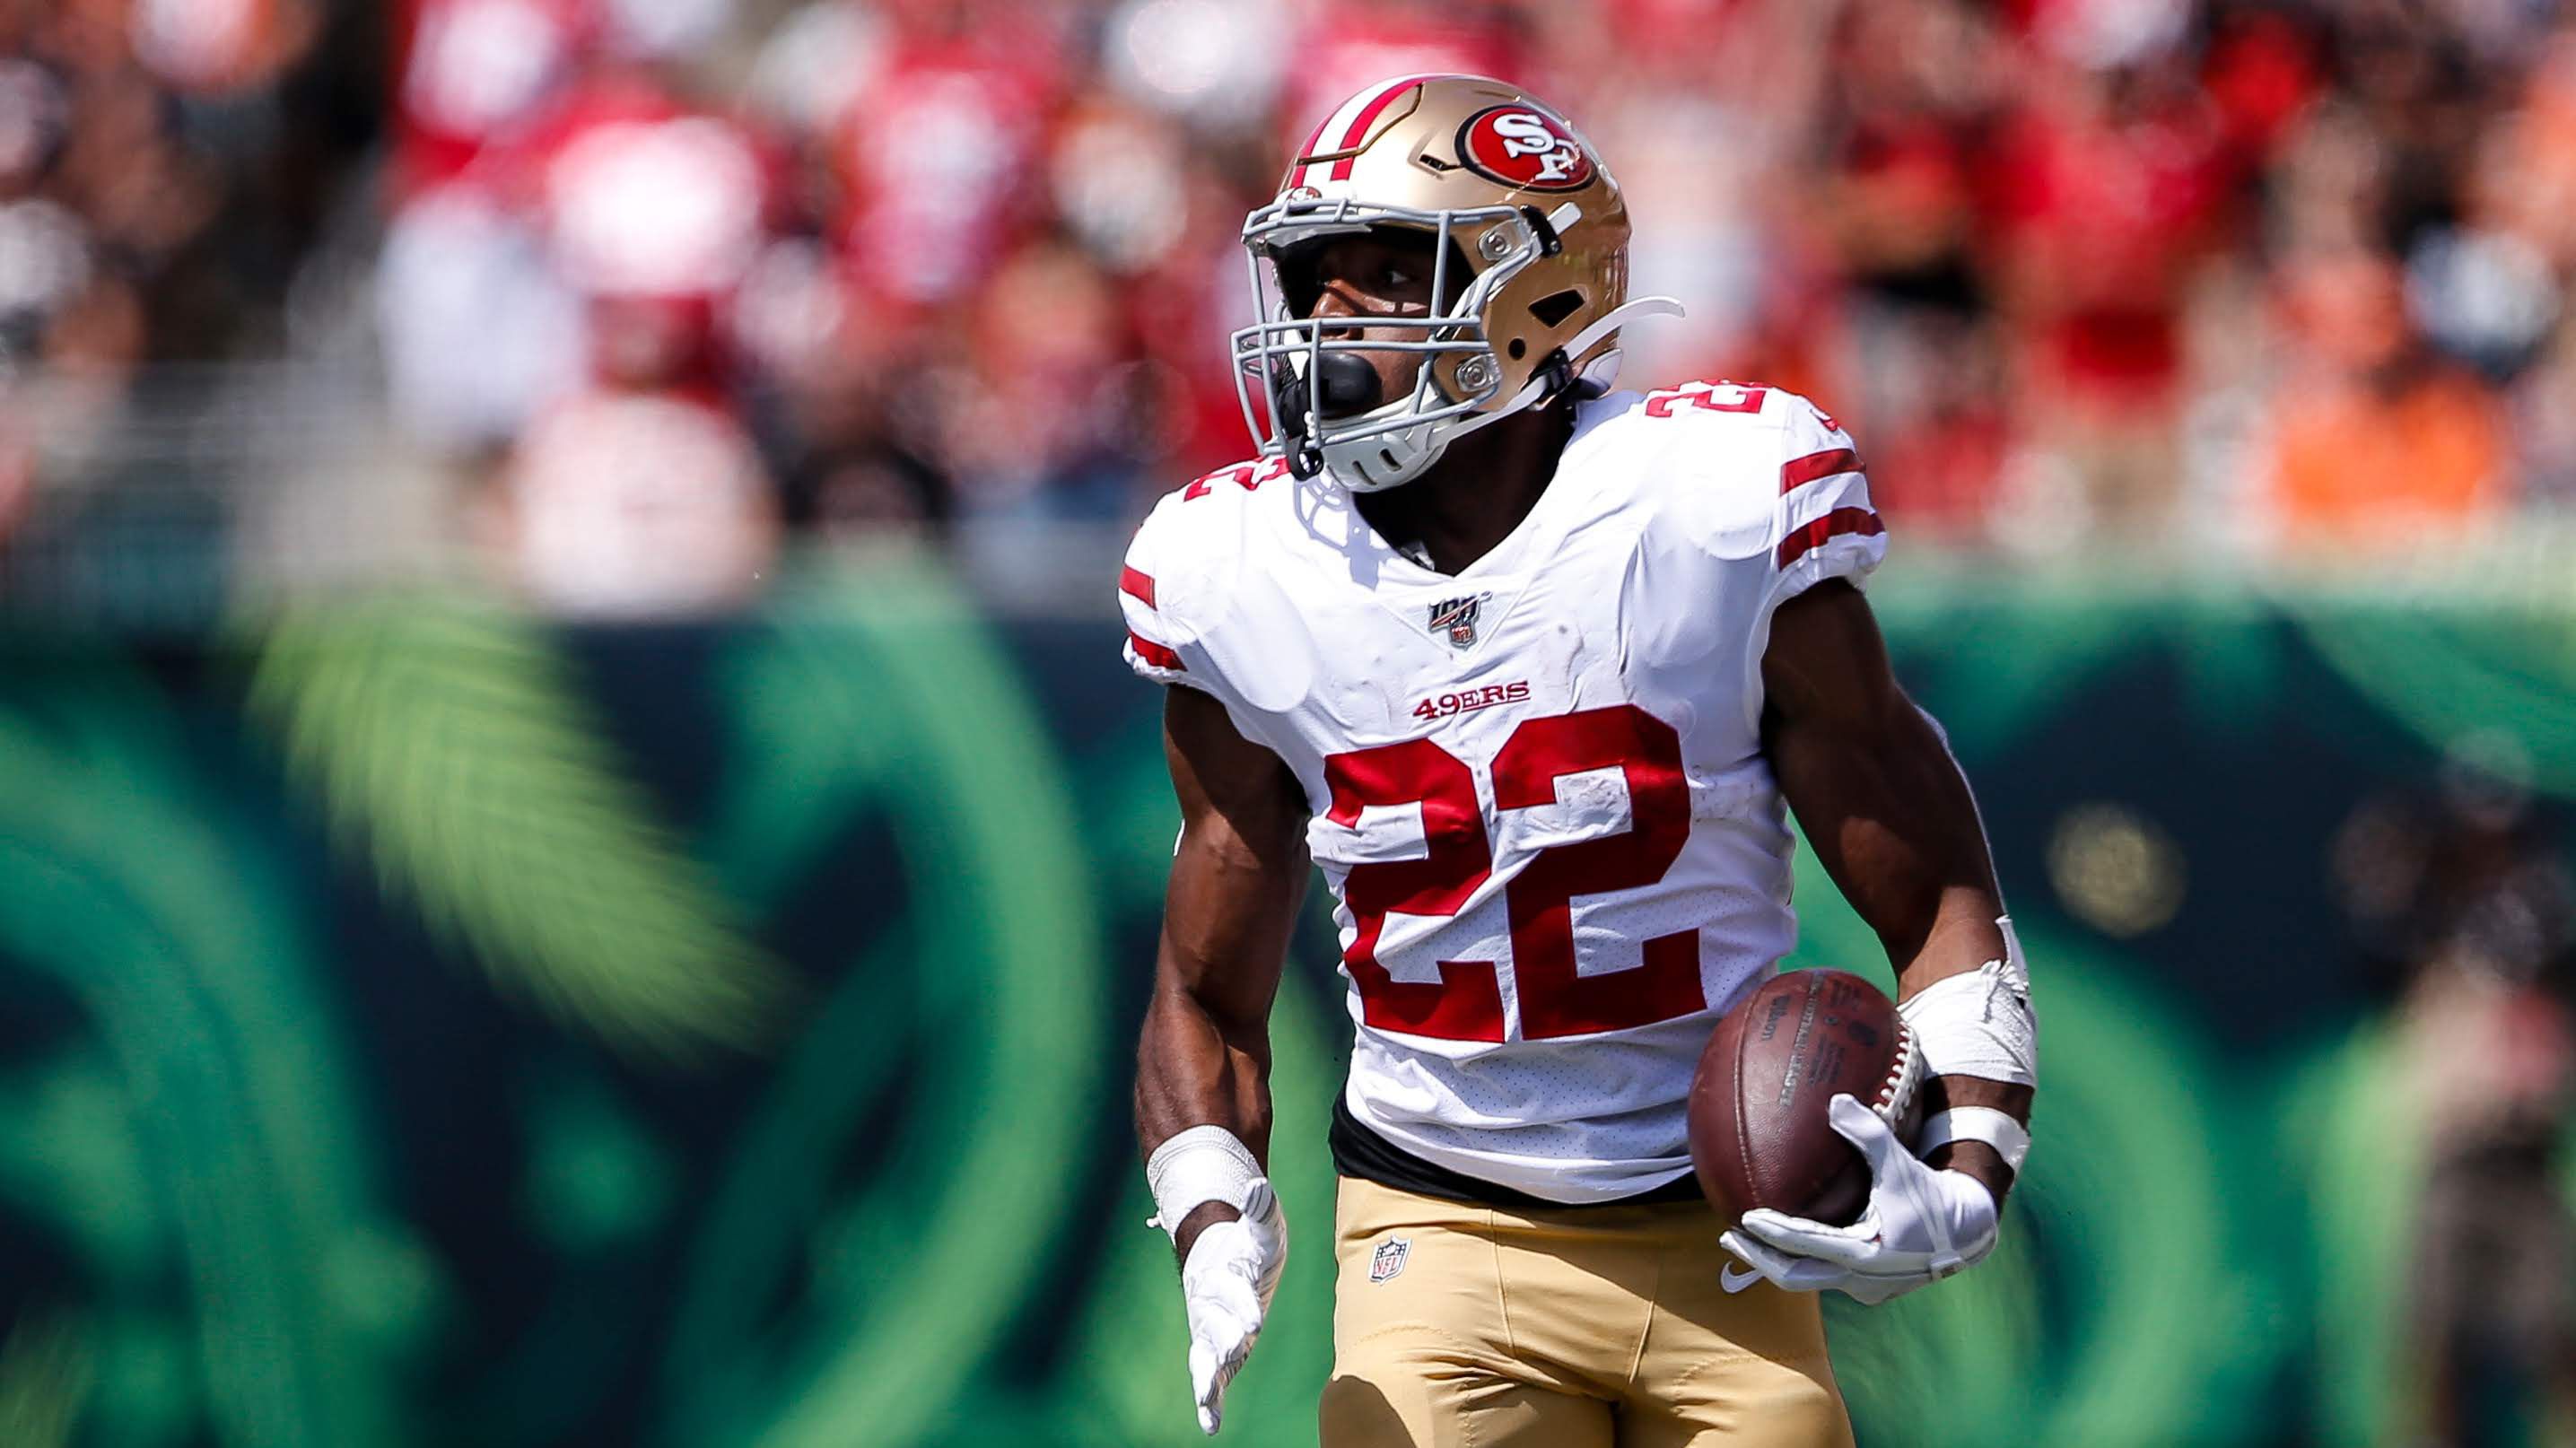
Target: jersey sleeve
1151	600
1775	498
1177	583
1826	526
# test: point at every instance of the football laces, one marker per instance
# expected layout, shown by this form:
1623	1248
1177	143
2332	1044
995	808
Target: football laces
1897	1091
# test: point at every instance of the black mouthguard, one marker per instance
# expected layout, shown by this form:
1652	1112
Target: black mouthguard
1350	387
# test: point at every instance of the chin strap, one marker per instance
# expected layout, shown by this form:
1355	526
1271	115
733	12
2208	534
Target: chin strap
1539	385
1619	316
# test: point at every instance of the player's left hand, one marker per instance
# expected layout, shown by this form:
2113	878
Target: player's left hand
1920	1226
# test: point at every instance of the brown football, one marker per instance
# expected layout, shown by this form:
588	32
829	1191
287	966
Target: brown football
1759	1131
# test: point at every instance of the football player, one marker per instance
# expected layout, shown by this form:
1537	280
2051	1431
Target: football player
1533	670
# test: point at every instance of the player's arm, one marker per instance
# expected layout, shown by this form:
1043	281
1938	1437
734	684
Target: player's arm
1237	878
1888	814
1890	817
1203	1061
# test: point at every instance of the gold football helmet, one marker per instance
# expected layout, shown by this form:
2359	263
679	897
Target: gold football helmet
1529	284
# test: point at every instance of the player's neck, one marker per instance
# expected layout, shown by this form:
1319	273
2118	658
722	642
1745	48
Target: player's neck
1478	492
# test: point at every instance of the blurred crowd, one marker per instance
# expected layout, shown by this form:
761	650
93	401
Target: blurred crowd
666	282
165	167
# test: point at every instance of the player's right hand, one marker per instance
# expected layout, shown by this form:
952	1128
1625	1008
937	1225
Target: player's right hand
1227	1283
1920	1226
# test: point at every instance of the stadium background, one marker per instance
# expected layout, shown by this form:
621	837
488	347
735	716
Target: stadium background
579	865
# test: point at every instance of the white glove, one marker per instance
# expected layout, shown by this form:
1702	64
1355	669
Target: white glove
1232	1271
1920	1226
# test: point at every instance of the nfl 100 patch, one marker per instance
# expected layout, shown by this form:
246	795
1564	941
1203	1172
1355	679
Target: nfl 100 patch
1458	616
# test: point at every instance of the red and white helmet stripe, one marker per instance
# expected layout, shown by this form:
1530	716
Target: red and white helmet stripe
1350	122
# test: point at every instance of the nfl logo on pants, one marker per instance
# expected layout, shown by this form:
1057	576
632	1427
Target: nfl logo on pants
1389	1258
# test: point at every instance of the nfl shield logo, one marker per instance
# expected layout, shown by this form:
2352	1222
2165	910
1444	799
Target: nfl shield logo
1458	615
1389	1259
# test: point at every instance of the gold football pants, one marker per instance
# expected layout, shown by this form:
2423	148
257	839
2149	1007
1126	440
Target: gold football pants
1469	1327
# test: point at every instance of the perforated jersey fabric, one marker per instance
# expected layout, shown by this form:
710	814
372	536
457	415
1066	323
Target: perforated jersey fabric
1557	746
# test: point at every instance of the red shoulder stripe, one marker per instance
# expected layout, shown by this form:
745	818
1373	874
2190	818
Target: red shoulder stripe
1833	525
1796	473
1138	586
1152	652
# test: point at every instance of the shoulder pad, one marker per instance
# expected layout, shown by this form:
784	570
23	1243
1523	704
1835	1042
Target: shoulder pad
1181	570
1740	468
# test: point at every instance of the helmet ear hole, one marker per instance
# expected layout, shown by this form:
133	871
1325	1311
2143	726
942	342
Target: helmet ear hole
1555	308
1519	349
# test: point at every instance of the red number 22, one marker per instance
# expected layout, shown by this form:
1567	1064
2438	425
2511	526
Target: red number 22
1703	395
1465	1004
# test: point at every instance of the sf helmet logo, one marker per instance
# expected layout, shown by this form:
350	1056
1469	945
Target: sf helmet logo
1525	148
1526	135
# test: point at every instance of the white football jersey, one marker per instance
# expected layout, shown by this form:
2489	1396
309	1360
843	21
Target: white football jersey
1556	849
